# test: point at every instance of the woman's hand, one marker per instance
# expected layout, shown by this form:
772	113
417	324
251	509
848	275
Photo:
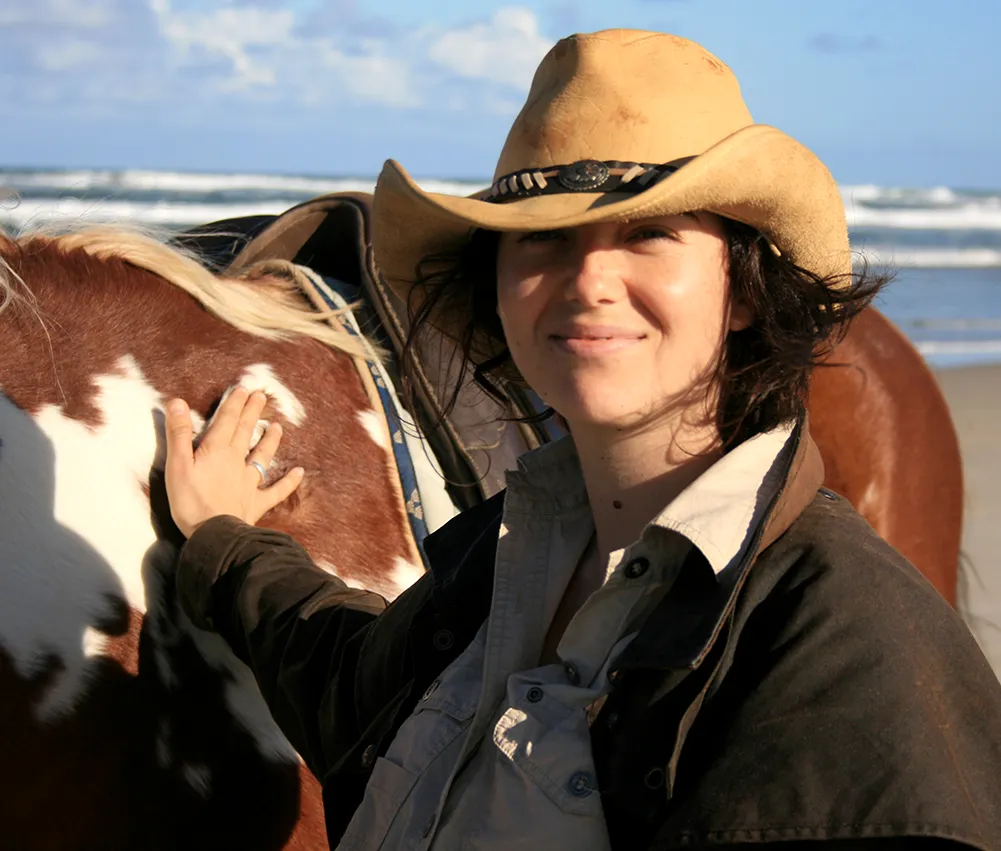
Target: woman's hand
218	477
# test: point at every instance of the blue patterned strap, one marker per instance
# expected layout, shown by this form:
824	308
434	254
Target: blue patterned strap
339	295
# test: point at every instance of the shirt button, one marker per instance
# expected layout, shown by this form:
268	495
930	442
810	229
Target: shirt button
443	639
637	567
573	675
612	720
534	694
368	756
654	778
581	784
431	689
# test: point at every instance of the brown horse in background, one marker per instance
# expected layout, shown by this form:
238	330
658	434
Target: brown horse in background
890	447
124	726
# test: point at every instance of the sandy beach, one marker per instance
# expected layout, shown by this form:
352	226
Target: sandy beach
974	396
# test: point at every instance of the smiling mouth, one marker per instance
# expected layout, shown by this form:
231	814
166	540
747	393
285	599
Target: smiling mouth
594	343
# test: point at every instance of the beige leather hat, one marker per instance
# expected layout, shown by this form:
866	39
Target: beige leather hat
622	125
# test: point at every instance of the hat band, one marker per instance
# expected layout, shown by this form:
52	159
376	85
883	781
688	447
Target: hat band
581	176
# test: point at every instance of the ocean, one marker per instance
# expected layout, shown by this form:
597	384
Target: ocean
944	243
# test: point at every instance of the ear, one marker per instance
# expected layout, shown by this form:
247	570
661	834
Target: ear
741	316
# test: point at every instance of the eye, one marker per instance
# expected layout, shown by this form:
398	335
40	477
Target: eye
647	232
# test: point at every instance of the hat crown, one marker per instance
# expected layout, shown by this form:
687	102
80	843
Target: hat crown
625	95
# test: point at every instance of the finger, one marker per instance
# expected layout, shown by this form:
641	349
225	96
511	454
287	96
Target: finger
227	415
249	417
269	497
177	426
266	448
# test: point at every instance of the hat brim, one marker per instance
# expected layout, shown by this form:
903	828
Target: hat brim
758	176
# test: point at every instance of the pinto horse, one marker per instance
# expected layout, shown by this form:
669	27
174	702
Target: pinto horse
124	726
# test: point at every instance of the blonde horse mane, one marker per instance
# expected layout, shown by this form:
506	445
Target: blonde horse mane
264	302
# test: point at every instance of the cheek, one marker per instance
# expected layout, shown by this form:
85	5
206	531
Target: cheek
692	313
518	314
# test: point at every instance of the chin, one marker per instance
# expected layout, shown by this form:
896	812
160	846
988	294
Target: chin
601	410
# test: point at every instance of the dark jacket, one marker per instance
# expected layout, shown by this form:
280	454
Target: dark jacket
822	690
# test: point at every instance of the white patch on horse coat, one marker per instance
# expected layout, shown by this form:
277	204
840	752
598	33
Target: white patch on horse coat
261	376
323	564
405	574
197	423
94	643
74	524
76	538
199	777
375	425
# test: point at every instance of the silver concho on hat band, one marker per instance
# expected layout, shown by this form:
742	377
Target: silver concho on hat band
583	175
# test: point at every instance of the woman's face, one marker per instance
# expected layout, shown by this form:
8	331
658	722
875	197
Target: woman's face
616	324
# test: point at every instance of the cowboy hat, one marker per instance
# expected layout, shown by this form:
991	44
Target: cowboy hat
622	125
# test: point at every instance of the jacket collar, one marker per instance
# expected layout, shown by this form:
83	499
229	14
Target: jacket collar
685	625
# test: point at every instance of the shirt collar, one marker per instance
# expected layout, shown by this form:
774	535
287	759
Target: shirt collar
718	512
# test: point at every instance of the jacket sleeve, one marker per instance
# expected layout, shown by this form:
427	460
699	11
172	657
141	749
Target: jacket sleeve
296	626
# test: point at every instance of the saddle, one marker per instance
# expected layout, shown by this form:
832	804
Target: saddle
475	442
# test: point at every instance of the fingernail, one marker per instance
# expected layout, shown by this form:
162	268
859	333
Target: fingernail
298	471
176	406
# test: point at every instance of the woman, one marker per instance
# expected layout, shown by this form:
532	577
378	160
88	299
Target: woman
661	634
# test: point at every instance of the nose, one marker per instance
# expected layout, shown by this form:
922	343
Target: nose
595	277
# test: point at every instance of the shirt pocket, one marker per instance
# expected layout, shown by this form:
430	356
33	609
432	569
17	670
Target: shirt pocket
404	788
550	744
442	714
388	788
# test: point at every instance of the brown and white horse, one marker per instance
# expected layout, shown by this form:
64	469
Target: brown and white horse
125	727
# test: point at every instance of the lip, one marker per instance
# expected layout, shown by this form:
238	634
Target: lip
595	339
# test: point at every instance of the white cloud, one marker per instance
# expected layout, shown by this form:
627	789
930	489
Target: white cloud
229	33
101	56
504	50
373	77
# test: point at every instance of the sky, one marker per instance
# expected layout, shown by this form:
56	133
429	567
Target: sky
891	92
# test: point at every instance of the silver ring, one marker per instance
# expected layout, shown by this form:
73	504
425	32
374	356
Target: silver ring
257	465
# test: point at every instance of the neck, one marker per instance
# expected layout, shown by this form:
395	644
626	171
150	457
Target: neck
631	475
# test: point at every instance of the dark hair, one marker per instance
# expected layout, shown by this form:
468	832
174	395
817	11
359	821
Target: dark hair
763	374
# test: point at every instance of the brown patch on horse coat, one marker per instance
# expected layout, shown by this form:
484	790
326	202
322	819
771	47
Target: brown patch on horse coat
889	446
